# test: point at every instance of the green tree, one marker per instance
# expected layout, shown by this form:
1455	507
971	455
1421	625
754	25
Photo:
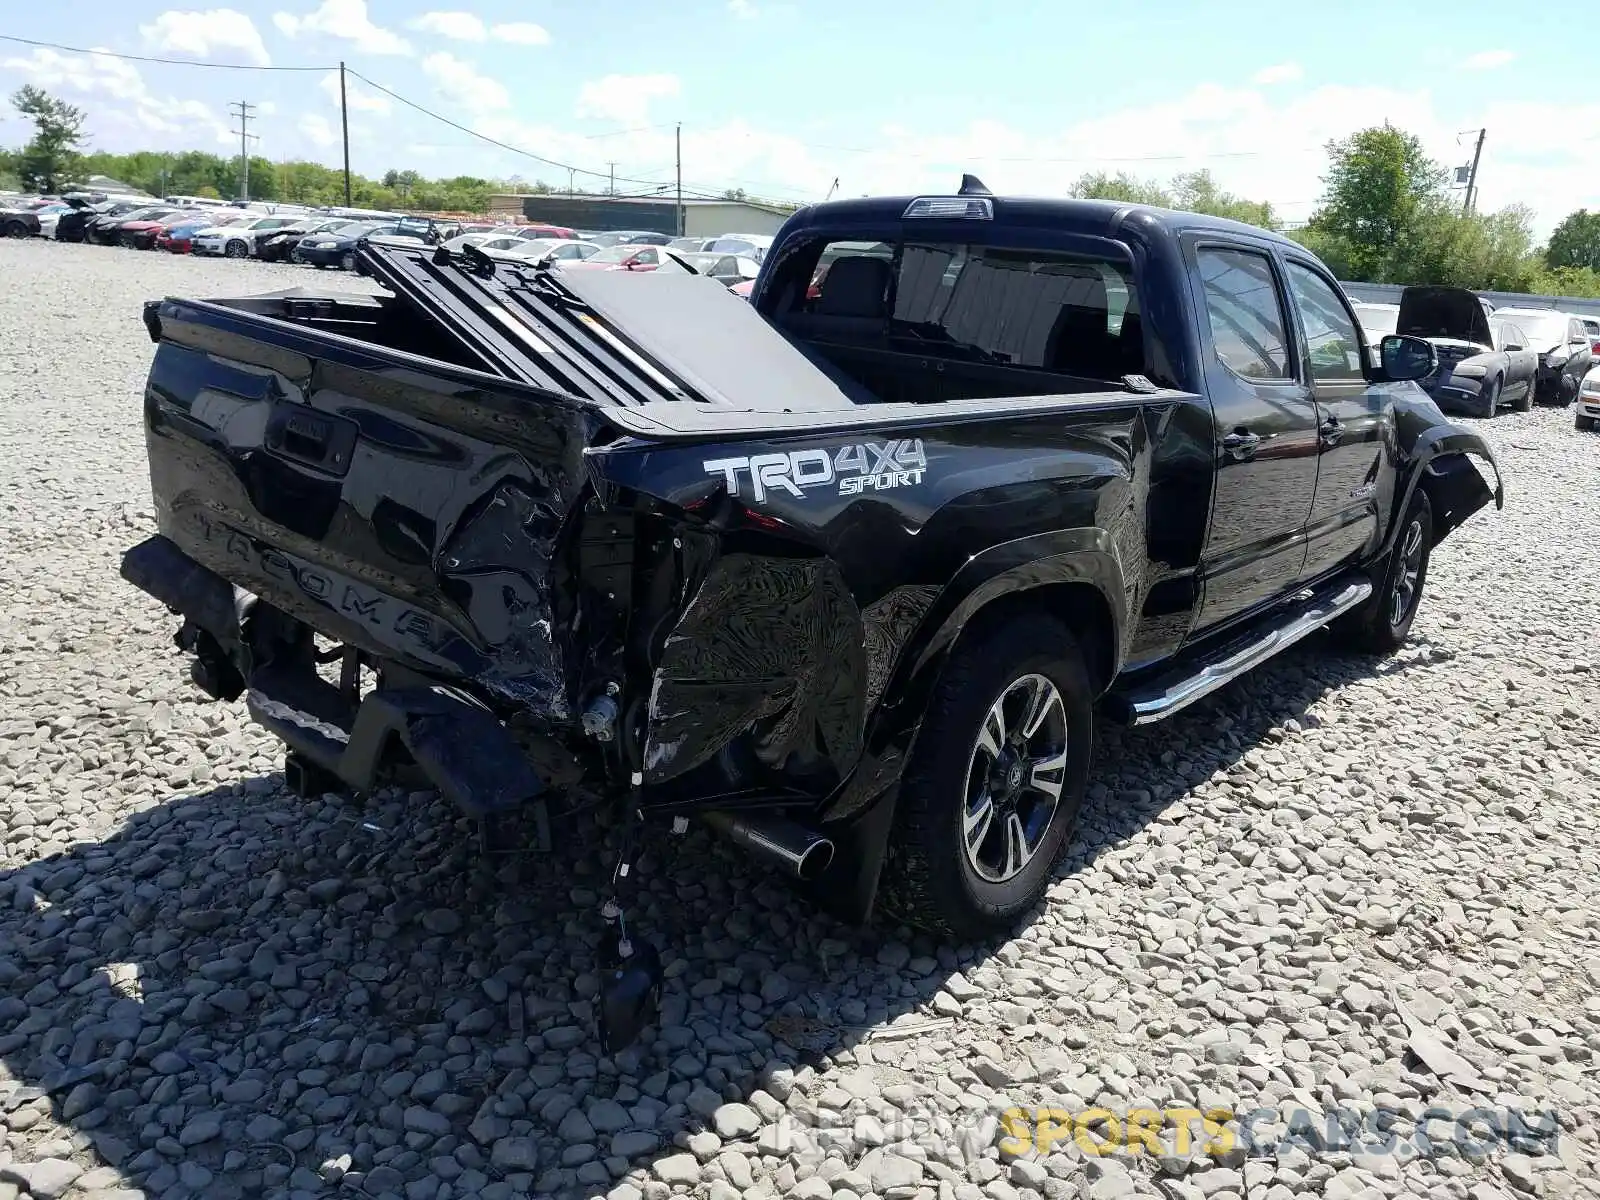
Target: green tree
1380	186
1575	242
50	157
1195	191
1121	186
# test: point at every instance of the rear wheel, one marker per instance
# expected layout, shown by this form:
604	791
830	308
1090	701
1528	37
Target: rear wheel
347	260
14	229
1524	402
1579	421
1489	397
236	249
994	785
1381	624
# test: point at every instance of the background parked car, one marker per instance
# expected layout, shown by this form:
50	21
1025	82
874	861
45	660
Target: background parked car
102	229
726	269
48	215
626	257
237	241
1586	409
753	245
142	235
629	237
1482	362
557	251
280	245
18	221
179	238
544	231
1562	344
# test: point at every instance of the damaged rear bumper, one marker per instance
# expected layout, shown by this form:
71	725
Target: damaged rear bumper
460	746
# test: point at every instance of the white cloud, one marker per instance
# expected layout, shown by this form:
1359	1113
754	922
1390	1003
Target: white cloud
743	9
317	130
356	96
140	118
1487	60
624	98
462	83
347	20
521	33
1287	72
460	26
207	34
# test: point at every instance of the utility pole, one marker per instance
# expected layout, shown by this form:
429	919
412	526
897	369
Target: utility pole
678	144
611	190
344	121
1472	176
572	175
242	110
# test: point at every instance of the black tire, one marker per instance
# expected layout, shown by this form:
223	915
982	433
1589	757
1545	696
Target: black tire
347	261
16	229
1489	397
236	249
931	879
1579	421
1524	402
1381	624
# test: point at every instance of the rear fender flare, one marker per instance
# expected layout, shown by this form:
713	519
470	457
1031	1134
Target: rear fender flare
1011	569
1439	451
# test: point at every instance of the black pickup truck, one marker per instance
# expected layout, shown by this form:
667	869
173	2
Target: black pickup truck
846	572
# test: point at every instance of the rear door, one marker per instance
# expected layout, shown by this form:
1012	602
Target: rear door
1265	423
1355	421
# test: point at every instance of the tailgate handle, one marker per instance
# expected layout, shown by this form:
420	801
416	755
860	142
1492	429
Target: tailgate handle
305	435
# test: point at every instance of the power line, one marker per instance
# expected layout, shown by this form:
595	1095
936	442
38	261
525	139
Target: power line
177	62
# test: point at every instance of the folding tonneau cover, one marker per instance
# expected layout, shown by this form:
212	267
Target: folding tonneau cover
612	337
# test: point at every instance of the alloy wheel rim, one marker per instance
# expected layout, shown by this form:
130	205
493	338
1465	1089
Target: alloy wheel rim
1405	579
1015	775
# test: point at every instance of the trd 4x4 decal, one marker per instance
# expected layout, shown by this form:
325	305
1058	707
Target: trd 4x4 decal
857	468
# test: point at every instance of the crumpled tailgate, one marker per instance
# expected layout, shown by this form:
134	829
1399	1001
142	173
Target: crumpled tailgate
407	508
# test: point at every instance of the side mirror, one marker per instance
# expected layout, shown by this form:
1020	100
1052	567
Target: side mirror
1407	357
1513	348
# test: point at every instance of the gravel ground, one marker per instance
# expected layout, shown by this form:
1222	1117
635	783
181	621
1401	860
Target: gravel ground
1344	897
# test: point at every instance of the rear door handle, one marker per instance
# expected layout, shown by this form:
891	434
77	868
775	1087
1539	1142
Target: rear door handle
1241	443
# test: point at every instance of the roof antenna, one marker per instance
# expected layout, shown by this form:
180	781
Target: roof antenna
971	185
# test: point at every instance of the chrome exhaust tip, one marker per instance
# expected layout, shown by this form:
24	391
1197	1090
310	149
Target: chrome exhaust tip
803	852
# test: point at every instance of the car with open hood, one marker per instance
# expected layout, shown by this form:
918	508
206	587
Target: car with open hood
142	234
1561	342
1484	359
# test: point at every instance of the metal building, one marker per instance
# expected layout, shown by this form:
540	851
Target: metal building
701	218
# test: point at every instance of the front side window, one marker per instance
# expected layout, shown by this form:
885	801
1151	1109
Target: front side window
1245	313
1331	338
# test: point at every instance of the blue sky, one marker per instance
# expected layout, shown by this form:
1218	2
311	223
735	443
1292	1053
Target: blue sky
782	97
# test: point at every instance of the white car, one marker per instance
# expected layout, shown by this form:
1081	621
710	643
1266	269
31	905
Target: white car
239	240
1586	408
554	250
48	216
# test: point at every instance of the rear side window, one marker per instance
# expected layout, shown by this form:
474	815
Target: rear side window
1245	313
1062	313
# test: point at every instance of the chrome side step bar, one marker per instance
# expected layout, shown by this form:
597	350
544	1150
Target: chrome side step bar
1149	701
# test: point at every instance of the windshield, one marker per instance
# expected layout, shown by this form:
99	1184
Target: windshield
1377	319
1543	329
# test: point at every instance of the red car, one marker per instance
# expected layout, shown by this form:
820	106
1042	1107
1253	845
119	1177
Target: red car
143	235
545	231
618	258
